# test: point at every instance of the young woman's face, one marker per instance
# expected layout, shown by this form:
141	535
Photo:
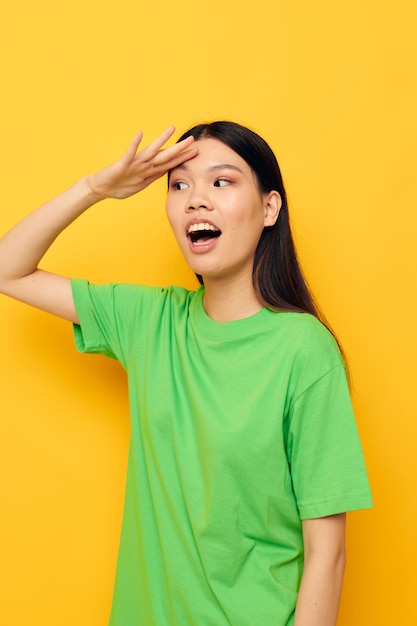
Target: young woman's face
217	212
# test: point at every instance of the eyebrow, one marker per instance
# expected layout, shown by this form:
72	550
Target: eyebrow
219	166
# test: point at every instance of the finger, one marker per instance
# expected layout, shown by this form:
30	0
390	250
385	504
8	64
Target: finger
133	148
154	147
160	170
164	166
184	155
180	148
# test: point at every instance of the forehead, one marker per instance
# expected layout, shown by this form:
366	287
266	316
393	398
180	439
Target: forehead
213	154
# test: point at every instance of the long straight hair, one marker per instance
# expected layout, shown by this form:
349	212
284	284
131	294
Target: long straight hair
278	279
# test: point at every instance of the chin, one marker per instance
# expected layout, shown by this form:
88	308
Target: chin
206	273
203	267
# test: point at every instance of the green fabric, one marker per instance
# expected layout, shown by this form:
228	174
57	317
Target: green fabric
238	431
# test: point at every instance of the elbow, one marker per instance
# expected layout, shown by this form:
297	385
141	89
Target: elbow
339	562
324	542
327	561
332	560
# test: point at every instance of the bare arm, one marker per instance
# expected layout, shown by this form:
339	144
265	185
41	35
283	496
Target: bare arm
22	248
321	585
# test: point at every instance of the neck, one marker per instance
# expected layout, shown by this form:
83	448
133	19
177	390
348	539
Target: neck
226	302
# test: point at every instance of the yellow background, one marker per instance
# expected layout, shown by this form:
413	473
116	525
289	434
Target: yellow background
332	86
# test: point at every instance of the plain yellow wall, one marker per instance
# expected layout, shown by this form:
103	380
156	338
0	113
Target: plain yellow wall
332	86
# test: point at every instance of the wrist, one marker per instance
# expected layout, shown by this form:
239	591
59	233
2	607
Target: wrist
93	194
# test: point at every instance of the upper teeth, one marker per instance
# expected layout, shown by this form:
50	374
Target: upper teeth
203	226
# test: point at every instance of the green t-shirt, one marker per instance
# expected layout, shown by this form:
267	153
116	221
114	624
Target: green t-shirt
239	430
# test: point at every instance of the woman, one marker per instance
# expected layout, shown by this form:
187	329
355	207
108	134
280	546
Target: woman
244	455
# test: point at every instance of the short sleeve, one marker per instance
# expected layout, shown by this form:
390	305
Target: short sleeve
109	315
324	451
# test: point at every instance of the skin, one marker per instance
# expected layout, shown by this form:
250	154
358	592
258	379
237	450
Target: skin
217	186
23	247
210	183
324	565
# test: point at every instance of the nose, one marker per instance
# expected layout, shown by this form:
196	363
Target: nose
199	198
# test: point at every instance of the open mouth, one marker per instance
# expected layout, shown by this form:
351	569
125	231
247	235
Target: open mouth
203	232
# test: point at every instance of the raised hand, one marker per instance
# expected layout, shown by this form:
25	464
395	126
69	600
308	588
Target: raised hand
22	248
136	170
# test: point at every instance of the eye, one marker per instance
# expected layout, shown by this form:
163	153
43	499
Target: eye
179	185
222	182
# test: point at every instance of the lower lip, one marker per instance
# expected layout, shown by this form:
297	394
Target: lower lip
201	248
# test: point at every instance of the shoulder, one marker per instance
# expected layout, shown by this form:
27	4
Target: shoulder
307	334
128	293
311	349
114	316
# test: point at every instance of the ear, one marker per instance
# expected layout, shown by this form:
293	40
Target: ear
273	204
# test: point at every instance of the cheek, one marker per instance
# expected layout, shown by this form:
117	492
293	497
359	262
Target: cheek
253	216
176	226
170	212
